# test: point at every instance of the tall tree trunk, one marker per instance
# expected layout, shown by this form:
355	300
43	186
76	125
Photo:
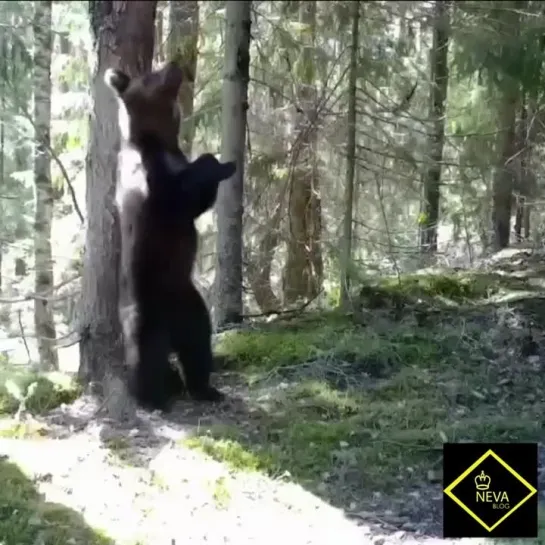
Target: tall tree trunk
303	272
522	170
44	321
3	80
123	36
350	159
503	182
230	194
159	36
525	181
183	42
438	99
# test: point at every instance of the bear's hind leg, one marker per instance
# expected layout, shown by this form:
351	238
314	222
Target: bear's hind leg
191	338
151	377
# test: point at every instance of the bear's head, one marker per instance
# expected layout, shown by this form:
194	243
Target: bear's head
148	106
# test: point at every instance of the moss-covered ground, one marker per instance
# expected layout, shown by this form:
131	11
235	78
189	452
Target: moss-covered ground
358	405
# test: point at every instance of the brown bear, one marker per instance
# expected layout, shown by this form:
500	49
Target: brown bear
159	195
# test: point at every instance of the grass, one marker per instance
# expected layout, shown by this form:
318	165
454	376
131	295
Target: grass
377	404
26	518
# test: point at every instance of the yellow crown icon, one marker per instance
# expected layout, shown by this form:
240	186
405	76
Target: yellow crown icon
482	481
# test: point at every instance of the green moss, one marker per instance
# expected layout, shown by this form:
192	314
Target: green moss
228	451
41	392
454	286
265	349
277	345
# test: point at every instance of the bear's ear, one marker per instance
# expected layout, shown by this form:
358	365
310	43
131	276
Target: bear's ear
171	77
116	80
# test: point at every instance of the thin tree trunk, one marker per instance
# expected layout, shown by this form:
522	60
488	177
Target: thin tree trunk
3	80
123	35
522	170
303	272
350	159
183	42
525	186
44	322
438	99
230	194
159	37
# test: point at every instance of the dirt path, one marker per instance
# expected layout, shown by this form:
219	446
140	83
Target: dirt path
141	486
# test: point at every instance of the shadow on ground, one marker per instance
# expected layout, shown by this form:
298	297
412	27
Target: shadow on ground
26	518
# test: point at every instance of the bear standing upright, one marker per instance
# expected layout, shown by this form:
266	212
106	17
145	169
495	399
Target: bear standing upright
159	195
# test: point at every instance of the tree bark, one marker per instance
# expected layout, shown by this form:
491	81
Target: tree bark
3	80
123	35
350	159
230	194
504	176
44	322
438	99
303	272
525	181
183	42
159	37
502	191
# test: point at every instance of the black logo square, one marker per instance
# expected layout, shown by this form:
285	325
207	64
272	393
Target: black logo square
490	490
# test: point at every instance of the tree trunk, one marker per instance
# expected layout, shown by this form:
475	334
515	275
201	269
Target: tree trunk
504	176
3	80
44	322
436	139
123	36
230	194
303	272
259	269
350	159
502	191
525	182
159	37
183	42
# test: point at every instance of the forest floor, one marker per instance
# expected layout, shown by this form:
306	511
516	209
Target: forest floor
332	431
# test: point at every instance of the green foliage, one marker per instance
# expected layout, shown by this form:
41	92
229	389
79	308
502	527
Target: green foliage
266	349
503	45
38	393
454	286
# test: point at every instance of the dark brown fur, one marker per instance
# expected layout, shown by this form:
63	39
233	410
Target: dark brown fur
159	195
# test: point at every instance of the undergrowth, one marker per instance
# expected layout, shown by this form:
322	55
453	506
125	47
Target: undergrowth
35	392
364	404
